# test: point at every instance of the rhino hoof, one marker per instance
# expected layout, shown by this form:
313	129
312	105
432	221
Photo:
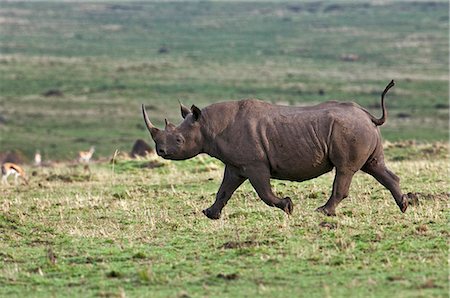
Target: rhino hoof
210	214
404	203
326	211
288	205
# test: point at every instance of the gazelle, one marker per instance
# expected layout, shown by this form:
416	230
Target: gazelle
85	156
9	168
37	158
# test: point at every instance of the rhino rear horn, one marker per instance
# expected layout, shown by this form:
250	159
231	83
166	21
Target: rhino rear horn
169	126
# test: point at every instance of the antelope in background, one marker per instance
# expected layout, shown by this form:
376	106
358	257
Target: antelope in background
37	158
85	156
9	168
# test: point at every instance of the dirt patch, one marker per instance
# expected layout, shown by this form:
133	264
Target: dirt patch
328	225
153	164
114	274
231	276
395	278
68	178
441	106
414	198
428	284
239	244
422	229
163	50
53	93
403	115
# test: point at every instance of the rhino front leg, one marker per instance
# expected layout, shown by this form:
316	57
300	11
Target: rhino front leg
260	180
231	181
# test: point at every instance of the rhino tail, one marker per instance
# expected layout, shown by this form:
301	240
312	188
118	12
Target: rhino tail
381	120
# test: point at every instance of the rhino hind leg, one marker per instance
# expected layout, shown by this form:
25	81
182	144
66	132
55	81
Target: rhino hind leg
388	179
341	186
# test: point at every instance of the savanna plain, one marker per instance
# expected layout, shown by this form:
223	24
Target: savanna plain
73	75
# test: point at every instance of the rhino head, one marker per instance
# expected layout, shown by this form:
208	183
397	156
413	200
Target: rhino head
178	142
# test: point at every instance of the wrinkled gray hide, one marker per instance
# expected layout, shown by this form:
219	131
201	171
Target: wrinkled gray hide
259	141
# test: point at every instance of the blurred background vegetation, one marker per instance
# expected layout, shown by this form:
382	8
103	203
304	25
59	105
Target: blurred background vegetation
74	74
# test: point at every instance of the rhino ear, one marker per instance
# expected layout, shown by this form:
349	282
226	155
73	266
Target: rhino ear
196	112
184	110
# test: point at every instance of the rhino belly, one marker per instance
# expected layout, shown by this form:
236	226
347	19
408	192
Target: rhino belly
299	172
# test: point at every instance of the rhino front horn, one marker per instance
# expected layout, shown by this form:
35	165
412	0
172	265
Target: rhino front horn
151	128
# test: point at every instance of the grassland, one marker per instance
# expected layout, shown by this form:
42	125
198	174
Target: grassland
74	74
126	230
104	59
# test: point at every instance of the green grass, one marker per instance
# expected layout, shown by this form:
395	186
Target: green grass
135	228
105	60
127	230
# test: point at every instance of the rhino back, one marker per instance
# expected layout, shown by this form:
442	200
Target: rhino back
294	142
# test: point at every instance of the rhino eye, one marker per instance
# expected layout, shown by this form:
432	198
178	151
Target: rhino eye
179	140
